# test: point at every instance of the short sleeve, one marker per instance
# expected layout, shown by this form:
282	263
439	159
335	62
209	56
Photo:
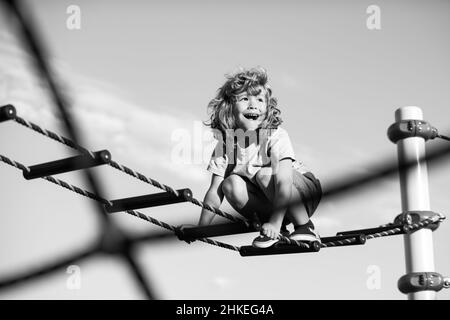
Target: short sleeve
219	161
280	146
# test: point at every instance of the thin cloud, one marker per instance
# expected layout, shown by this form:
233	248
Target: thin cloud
133	133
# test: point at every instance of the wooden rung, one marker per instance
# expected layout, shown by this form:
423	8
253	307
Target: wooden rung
68	164
190	234
147	201
7	112
279	248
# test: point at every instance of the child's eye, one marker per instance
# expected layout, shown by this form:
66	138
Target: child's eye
261	100
244	98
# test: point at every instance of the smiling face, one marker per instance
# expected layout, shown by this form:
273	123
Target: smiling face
249	110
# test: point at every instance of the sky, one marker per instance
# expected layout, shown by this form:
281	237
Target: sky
139	76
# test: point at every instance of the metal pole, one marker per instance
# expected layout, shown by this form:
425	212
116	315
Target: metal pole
419	254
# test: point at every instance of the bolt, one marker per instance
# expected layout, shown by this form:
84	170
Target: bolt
408	219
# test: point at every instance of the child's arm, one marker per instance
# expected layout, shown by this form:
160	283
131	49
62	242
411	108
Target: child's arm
213	197
283	189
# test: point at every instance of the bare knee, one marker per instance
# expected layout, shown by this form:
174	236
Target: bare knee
233	187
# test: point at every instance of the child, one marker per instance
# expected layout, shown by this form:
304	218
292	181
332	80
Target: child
253	164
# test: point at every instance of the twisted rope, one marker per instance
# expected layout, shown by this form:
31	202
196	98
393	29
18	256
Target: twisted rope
174	229
138	214
95	197
338	243
141	177
58	182
168	189
125	169
443	137
395	230
293	242
391	232
52	135
138	176
14	163
75	189
90	195
220	244
407	227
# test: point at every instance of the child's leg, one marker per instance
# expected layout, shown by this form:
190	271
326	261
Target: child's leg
246	198
310	191
296	214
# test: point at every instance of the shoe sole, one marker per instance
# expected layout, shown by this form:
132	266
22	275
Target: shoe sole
263	245
305	237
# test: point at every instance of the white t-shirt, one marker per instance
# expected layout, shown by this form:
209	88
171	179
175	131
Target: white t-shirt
246	159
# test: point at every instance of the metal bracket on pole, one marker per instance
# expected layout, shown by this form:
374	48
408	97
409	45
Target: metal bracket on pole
412	217
411	128
420	281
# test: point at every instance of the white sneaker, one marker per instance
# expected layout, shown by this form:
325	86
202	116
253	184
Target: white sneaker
304	233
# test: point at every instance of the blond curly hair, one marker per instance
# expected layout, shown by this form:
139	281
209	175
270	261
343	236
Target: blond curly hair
220	108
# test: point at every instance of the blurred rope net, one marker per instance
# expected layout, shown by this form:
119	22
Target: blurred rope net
111	239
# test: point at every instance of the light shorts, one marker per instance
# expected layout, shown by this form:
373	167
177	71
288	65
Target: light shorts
310	189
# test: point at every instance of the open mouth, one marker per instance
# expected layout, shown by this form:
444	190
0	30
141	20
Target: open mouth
251	116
